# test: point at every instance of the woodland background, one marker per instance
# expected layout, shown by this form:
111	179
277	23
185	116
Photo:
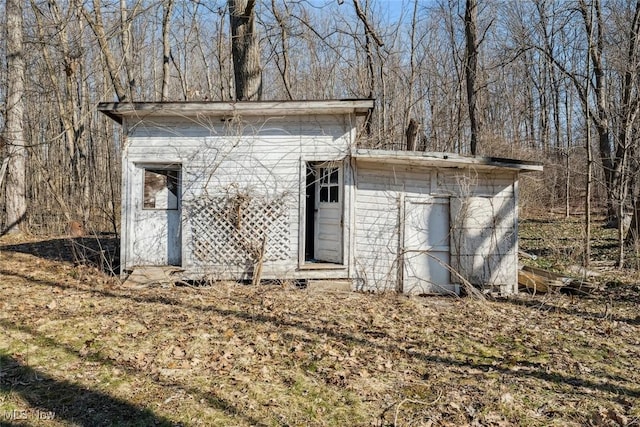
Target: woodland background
551	81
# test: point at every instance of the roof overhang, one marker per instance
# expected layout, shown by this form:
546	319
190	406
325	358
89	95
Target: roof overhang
120	110
444	160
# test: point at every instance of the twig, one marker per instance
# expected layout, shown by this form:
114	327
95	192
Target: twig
417	402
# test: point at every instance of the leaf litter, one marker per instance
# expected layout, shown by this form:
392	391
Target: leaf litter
90	350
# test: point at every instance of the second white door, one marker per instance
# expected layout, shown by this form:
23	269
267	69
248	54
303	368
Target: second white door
328	214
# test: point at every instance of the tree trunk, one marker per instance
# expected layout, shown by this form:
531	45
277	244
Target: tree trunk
411	135
470	31
569	132
369	34
245	50
127	48
587	197
412	129
627	146
601	117
14	132
284	68
166	49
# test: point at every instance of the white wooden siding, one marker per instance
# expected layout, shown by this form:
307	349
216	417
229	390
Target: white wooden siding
485	249
484	240
379	194
468	182
377	237
259	156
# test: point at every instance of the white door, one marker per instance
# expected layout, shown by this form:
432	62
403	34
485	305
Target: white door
156	227
426	247
328	218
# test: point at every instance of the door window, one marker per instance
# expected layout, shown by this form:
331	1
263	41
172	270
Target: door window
329	185
161	188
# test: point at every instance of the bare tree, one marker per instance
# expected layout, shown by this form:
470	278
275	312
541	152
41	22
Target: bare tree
127	45
245	50
412	134
595	25
283	66
369	34
67	101
588	18
96	23
452	104
166	48
628	145
412	127
14	135
471	66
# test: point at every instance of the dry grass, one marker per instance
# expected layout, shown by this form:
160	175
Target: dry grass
560	241
78	344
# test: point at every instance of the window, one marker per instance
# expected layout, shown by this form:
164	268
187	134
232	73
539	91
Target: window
329	185
161	188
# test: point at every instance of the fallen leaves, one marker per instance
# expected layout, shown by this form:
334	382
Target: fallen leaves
242	355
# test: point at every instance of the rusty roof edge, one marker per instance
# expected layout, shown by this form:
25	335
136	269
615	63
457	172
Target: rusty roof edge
443	159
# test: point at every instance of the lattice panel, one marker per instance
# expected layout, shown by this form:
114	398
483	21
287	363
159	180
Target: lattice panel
232	230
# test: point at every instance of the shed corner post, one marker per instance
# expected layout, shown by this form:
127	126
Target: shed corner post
302	210
516	220
125	211
401	249
350	184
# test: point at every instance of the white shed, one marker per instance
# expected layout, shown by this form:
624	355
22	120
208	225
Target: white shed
220	189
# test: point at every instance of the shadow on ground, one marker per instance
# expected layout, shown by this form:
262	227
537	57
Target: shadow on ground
63	400
102	252
421	352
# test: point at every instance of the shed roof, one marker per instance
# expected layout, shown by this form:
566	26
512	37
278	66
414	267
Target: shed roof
118	110
447	160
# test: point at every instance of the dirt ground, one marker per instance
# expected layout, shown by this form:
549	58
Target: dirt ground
79	348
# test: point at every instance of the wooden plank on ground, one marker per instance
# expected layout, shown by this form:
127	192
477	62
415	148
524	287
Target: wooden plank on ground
538	283
544	273
145	276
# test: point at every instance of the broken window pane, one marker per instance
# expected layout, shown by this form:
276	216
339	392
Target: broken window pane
161	189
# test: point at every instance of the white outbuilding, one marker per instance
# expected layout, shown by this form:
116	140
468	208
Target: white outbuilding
224	189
